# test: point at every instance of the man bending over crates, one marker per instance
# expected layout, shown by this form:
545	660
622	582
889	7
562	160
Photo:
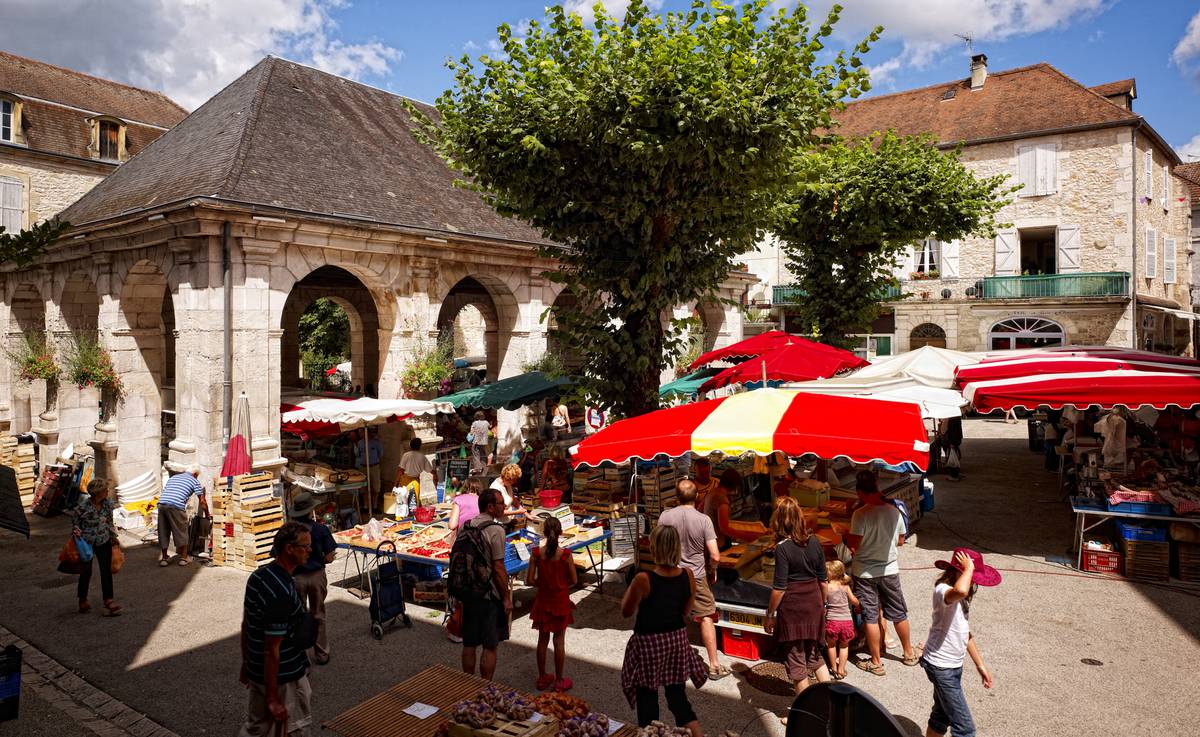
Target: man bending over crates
172	513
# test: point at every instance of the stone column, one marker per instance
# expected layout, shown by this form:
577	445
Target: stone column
256	347
46	424
5	367
104	441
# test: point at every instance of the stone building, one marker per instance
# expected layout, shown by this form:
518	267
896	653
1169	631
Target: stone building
197	258
1097	250
61	132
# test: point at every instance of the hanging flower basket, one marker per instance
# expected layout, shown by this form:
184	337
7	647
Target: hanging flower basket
88	364
429	371
34	360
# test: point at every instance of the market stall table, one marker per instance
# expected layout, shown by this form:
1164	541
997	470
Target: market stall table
1082	526
438	686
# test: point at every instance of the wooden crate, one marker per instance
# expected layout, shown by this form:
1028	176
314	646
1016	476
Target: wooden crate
507	728
1147	560
246	517
1187	561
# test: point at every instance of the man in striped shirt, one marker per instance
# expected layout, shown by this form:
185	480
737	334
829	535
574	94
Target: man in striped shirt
172	513
275	628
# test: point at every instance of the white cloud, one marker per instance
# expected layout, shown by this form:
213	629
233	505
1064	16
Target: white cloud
188	50
1189	45
585	9
1190	151
881	74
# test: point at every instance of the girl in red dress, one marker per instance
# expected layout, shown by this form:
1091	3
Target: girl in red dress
552	572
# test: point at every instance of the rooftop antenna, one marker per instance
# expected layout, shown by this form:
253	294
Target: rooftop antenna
967	41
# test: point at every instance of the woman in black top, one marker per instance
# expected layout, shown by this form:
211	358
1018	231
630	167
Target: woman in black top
659	654
798	595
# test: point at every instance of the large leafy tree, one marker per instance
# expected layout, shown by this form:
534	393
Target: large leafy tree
24	246
853	206
325	331
648	148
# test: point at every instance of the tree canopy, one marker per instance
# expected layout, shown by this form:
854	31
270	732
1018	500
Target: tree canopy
325	331
649	150
23	247
854	206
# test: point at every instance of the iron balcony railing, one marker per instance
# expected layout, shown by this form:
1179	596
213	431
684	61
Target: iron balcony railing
790	295
1102	284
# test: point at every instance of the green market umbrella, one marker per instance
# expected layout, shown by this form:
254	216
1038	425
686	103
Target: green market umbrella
510	393
689	385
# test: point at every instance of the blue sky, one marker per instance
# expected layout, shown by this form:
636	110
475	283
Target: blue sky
190	50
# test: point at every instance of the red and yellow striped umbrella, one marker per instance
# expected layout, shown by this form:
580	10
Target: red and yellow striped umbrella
766	421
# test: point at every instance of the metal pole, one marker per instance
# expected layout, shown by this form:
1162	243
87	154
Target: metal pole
227	328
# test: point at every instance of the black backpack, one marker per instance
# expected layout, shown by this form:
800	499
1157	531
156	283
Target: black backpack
471	569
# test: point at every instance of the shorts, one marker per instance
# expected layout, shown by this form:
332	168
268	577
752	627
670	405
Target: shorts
172	523
840	631
484	623
704	606
881	591
804	658
297	699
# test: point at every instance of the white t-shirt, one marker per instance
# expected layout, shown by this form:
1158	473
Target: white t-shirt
480	430
499	486
880	526
946	645
414	462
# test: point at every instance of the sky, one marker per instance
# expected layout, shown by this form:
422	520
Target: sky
190	49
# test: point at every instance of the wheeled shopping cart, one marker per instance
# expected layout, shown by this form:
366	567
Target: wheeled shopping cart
387	590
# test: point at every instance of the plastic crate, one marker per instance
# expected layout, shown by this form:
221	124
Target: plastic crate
1103	561
744	645
424	571
1087	502
1144	533
1141	508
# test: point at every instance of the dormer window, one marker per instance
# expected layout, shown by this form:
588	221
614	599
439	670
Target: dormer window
107	139
10	119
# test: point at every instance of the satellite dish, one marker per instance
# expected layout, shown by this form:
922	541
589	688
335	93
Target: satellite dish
840	710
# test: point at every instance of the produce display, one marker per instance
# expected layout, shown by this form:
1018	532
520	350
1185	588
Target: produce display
660	729
592	725
473	713
561	706
507	702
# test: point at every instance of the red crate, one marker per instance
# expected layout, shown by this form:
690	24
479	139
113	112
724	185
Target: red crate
743	644
1103	561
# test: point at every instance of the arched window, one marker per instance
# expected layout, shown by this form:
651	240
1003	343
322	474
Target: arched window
927	334
1025	332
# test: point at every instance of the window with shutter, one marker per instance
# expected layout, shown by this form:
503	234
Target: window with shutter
1169	260
1151	254
12	212
1068	248
949	267
1149	157
1166	188
1027	170
1006	253
904	264
6	120
1046	168
928	256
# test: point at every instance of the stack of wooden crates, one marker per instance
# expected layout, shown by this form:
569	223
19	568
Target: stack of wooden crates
603	493
20	458
245	517
658	491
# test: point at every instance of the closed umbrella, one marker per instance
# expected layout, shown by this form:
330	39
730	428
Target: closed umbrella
237	453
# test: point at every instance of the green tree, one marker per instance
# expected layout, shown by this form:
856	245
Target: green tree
23	247
648	149
325	331
853	206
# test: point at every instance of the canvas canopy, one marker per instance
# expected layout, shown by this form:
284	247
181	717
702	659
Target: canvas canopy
512	393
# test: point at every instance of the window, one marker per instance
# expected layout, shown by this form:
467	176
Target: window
1168	260
1025	332
110	139
6	120
871	346
12	212
926	334
1151	253
928	256
1149	156
1037	169
1037	250
1166	187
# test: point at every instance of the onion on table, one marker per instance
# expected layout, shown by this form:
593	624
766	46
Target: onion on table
475	714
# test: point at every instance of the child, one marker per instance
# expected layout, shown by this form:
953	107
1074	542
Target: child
658	654
552	572
950	641
839	622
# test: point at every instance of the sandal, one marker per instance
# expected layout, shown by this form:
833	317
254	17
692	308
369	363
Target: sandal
84	606
717	672
545	681
184	561
916	658
563	685
164	563
875	669
113	608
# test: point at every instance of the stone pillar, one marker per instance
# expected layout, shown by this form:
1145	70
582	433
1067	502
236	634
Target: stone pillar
257	346
104	441
46	424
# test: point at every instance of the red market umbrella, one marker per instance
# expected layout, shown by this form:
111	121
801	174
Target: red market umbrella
1057	363
237	453
1106	389
768	341
764	422
793	361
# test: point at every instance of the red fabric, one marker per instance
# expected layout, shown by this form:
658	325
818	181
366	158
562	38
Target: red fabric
771	340
798	360
666	431
237	457
552	606
654	661
1033	366
1110	352
1107	389
840	630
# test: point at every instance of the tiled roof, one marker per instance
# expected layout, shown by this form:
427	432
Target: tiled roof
30	78
1120	87
289	136
1025	101
1191	174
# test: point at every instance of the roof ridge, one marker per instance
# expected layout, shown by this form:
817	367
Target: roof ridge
248	125
112	82
942	85
1129	114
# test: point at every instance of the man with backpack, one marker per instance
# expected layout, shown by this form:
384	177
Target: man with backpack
479	580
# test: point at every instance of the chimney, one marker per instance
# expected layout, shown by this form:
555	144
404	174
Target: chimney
978	71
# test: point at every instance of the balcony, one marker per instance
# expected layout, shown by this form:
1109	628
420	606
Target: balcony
1056	286
790	295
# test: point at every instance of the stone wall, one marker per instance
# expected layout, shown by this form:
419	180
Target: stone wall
48	188
967	322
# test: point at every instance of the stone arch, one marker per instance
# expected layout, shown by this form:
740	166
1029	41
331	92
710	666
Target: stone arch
138	347
27	318
350	294
494	300
712	317
77	321
1025	331
927	333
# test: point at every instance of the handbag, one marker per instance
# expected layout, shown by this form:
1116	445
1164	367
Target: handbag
85	550
454	623
68	559
470	437
118	558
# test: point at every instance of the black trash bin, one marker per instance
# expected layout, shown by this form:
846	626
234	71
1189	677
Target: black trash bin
10	682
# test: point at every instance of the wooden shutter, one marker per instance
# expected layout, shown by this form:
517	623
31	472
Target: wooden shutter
1006	253
1166	188
12	213
904	264
1169	260
1047	168
949	266
1027	170
1068	249
1151	254
1149	160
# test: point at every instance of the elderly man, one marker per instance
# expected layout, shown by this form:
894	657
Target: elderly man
698	542
312	585
172	513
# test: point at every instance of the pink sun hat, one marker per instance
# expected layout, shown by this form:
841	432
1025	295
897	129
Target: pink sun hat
984	574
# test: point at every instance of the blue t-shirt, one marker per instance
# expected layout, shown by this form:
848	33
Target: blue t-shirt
178	489
322	545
